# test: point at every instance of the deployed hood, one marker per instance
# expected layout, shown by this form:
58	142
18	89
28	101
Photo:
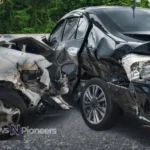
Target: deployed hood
29	45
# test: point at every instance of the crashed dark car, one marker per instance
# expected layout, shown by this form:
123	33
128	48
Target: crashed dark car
105	53
101	54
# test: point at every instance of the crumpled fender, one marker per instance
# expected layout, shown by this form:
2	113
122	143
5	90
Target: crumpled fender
12	60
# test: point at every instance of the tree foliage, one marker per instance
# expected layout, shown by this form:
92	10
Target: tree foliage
40	16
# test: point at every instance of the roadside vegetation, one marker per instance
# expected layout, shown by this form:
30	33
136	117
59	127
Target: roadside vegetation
40	16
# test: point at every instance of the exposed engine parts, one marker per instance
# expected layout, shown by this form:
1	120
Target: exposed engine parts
29	74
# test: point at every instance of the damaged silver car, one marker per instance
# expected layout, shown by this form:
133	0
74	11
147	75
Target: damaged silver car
25	81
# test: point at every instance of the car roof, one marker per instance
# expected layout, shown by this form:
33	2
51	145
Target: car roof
95	9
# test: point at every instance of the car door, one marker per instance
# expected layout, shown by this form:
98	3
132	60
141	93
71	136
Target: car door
68	49
56	35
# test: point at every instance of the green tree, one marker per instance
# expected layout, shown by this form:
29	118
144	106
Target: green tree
40	16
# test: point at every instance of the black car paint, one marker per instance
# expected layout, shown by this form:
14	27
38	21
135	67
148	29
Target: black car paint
95	61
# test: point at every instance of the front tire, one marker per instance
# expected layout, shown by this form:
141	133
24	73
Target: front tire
98	109
12	111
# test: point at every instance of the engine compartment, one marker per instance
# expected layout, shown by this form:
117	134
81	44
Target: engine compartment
24	64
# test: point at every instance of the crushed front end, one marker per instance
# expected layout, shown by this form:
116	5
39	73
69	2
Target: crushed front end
29	73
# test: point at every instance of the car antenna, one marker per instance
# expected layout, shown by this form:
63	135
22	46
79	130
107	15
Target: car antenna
133	8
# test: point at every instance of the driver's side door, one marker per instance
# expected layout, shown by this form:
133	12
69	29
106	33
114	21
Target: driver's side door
67	42
67	51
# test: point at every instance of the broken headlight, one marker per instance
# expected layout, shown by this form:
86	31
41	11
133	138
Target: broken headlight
145	71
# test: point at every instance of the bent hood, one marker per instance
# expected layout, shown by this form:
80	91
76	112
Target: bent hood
125	48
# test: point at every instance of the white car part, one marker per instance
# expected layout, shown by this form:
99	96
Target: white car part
135	65
34	97
45	78
13	62
59	100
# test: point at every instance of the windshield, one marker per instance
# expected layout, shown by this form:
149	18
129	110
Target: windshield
121	19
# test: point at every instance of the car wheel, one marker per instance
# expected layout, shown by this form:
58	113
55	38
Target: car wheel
97	107
12	112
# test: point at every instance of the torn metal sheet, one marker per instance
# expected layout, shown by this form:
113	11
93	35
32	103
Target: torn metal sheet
45	79
27	71
124	96
137	66
59	100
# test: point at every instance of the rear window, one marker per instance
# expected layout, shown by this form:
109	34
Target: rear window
122	20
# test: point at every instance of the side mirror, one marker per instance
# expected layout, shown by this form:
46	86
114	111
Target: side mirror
53	41
45	39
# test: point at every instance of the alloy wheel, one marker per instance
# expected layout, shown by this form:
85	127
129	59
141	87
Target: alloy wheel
8	115
94	104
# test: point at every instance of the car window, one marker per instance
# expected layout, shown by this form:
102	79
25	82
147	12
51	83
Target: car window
122	20
82	26
57	33
70	29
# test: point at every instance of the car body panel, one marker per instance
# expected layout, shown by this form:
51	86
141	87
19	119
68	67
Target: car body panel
104	56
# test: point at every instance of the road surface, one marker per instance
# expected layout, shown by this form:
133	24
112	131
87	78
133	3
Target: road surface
73	134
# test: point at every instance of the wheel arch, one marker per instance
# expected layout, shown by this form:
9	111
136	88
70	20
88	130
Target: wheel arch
112	107
100	78
7	89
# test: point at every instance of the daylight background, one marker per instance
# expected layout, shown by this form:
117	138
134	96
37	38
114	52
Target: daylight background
40	16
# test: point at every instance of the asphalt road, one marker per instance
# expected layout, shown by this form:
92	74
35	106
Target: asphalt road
72	133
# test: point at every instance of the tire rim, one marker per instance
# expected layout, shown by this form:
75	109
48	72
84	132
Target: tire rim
8	115
94	104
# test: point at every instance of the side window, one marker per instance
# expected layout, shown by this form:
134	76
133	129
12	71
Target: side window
70	29
82	27
57	33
